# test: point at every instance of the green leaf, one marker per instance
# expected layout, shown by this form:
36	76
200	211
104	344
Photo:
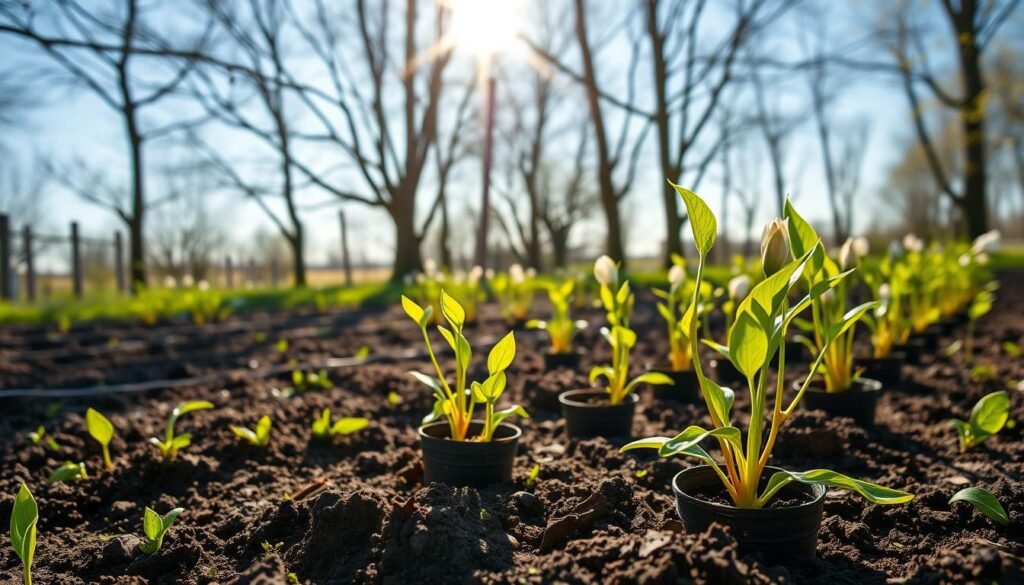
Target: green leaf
99	427
263	429
349	425
68	471
431	381
984	501
802	237
415	312
322	424
181	441
849	319
492	387
152	524
702	221
659	442
694	434
597	371
170	517
452	311
449	337
720	399
502	354
982	304
990	413
191	406
24	517
245	434
748	345
501	415
870	491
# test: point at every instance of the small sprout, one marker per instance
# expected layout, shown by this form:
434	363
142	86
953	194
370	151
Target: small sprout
984	501
270	550
154	527
172	443
394	398
363	352
39	436
982	373
101	429
306	381
323	428
641	473
281	346
293	578
531	478
1012	349
484	515
68	471
24	517
987	418
257	438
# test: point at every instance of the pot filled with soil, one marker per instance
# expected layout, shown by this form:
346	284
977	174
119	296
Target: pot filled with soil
685	386
785	529
888	370
468	463
858	402
568	360
588	413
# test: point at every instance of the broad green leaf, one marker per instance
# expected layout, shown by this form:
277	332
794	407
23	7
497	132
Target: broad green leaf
322	424
622	337
802	236
263	427
244	434
748	345
170	517
415	312
492	387
24	517
982	304
182	441
720	399
849	319
721	349
152	524
702	221
502	354
99	427
501	415
984	501
349	425
659	442
655	378
870	491
694	434
452	311
68	471
990	413
191	406
431	381
449	337
598	371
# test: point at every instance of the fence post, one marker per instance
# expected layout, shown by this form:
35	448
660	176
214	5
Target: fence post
119	262
6	292
76	261
30	265
229	272
345	260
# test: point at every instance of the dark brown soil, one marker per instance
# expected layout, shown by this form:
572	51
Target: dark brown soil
354	509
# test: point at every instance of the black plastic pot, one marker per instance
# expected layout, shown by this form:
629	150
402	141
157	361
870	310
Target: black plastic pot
588	414
685	386
726	373
858	403
912	350
779	534
947	326
929	339
468	463
553	361
887	370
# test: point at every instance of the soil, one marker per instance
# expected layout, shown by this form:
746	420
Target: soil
354	509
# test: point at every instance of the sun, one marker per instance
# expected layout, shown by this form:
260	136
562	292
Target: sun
484	28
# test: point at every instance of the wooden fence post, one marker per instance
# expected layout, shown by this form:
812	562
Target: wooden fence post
30	265
229	272
76	261
346	261
6	290
119	262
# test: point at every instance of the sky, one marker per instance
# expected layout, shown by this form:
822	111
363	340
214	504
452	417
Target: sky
70	123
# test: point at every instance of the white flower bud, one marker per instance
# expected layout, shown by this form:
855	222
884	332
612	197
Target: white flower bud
986	242
848	257
775	251
170	282
913	243
203	285
739	286
475	274
884	293
605	271
187	281
676	276
430	267
861	246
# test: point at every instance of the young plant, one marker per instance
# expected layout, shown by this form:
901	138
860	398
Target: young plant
102	430
830	327
154	527
458	404
674	305
172	443
323	428
561	327
988	417
514	292
39	436
24	518
756	339
985	501
980	306
618	300
68	471
260	437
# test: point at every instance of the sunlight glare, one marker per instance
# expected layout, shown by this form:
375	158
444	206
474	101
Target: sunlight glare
485	27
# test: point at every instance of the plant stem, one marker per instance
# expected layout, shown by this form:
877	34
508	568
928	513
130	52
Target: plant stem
27	572
106	458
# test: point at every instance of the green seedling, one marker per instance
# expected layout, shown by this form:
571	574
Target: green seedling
68	471
172	443
531	478
257	438
618	299
560	327
673	308
154	528
101	429
458	404
306	381
24	518
394	398
322	427
39	436
984	501
756	339
988	417
980	306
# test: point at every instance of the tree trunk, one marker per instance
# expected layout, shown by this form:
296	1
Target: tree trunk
972	117
444	249
407	242
298	258
560	248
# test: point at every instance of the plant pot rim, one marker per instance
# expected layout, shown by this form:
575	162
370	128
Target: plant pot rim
424	435
860	385
567	398
817	491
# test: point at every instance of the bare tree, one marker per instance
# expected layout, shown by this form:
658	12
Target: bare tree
775	126
100	50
